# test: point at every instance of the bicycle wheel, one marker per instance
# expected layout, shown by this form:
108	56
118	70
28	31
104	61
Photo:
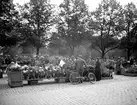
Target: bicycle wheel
74	78
92	78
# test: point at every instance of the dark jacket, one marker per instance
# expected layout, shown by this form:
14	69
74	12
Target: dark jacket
98	71
79	64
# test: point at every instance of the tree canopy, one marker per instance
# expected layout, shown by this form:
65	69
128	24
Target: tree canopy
104	22
38	17
72	24
8	23
38	24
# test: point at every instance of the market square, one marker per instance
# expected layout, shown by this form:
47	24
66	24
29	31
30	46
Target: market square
68	52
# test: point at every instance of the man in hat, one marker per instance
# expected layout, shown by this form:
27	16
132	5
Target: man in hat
79	65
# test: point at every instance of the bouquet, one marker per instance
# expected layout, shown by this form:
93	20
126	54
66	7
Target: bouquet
25	70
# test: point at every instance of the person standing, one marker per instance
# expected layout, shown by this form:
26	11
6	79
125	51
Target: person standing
98	70
118	66
8	59
131	61
79	65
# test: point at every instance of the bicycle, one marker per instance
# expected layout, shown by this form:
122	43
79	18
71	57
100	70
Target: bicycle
87	74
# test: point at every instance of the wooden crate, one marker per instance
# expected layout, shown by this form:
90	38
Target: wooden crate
32	82
15	79
62	80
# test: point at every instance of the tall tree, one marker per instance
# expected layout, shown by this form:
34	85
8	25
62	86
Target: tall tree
129	24
73	21
104	23
38	16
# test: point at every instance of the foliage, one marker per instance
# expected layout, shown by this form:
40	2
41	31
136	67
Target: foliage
105	46
72	24
8	24
31	26
128	42
104	23
38	17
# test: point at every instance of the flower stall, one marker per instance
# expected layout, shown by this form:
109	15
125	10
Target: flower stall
32	74
129	71
34	70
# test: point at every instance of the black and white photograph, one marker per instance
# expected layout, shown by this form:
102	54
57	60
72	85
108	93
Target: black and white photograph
68	52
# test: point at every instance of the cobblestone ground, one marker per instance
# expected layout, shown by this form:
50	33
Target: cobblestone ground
121	90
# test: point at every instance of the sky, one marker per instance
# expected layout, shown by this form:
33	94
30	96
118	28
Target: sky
92	4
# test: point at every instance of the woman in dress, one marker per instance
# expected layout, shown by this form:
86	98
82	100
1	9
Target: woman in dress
98	70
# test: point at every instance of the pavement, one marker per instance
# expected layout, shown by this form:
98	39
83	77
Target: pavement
122	90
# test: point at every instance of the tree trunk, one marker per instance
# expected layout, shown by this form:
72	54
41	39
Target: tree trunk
128	54
128	41
102	54
71	50
37	51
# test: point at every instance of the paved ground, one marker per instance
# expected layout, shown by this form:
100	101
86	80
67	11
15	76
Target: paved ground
121	90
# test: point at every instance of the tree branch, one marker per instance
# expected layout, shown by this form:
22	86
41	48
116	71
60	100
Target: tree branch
97	49
111	48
